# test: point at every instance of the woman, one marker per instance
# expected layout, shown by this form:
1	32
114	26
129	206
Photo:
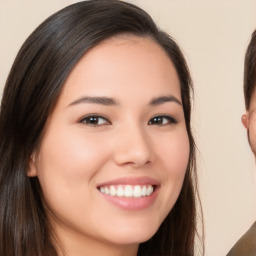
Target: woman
97	155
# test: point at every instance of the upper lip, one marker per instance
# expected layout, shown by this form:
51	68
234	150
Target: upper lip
143	180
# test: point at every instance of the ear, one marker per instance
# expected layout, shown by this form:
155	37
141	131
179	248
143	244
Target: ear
245	120
32	171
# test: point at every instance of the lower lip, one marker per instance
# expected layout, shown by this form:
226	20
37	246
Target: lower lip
132	203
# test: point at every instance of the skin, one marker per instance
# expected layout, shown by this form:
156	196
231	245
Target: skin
249	122
76	155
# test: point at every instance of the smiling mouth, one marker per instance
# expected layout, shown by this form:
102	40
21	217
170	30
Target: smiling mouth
127	191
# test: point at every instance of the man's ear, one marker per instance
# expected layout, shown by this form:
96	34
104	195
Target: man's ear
32	171
245	120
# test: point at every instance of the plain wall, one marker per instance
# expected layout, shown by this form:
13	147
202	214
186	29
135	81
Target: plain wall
213	36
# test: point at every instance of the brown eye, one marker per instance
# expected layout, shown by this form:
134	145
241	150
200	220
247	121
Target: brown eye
162	120
94	120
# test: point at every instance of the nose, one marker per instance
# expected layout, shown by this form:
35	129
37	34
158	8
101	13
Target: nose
133	147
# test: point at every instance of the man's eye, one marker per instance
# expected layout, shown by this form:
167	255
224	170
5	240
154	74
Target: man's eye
162	120
95	120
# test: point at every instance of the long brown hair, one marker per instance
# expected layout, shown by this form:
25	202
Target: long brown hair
33	86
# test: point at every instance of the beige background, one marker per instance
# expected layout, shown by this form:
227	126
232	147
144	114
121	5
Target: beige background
213	35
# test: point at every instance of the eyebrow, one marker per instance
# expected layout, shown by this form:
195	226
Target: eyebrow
163	99
106	101
95	100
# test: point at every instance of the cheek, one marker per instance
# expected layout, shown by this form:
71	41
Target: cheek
252	137
175	153
68	160
175	156
252	131
178	162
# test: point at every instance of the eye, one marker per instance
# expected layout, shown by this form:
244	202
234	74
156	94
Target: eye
162	120
94	120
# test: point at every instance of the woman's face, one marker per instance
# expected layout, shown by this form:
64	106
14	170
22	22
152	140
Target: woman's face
115	150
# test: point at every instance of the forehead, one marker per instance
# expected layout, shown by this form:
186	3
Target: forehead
126	62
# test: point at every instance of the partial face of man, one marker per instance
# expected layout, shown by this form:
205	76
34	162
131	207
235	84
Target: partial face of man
249	122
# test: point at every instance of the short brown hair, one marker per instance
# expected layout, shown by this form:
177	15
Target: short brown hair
250	71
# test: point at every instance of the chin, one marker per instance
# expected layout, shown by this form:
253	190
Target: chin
133	236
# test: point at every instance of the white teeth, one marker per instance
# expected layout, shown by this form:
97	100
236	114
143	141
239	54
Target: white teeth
112	191
128	190
137	191
106	191
144	191
120	191
149	190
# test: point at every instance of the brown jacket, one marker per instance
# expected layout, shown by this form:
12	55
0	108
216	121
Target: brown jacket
246	245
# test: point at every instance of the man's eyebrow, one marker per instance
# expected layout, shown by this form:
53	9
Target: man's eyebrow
163	99
95	100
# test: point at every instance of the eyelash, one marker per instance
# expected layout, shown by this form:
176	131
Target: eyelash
93	120
159	120
169	120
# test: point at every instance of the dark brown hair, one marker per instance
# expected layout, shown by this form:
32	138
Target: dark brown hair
33	86
250	71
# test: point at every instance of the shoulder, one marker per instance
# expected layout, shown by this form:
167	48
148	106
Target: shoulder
246	245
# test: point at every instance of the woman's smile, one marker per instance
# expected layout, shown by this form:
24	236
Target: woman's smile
130	193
